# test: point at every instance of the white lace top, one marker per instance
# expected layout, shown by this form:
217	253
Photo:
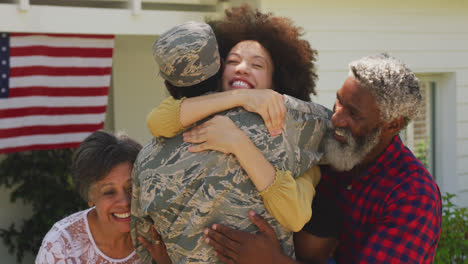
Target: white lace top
70	241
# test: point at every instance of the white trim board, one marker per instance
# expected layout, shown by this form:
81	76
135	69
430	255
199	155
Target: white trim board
59	19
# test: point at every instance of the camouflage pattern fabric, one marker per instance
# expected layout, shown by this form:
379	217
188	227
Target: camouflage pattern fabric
187	54
183	192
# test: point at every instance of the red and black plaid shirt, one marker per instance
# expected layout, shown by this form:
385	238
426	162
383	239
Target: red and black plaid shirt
391	214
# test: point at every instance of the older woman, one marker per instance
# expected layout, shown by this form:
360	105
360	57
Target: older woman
101	170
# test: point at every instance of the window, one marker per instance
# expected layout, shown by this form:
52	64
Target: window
420	133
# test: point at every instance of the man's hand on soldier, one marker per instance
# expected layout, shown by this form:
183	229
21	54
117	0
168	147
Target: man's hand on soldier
233	246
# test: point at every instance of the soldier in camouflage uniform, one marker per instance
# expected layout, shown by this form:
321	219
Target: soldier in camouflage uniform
183	192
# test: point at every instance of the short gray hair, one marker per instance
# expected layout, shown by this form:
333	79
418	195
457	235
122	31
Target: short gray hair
393	84
97	155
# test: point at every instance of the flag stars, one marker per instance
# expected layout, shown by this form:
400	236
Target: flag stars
3	90
3	62
4	35
4	49
4	76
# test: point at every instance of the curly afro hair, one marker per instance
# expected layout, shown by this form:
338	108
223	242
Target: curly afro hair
294	71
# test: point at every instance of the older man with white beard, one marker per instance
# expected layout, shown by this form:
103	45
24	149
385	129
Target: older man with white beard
391	205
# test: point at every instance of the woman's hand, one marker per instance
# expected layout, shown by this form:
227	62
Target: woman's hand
268	104
157	249
219	133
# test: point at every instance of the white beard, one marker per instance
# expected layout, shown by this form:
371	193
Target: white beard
345	156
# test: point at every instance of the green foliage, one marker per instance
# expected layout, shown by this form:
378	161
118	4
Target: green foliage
43	180
453	244
421	152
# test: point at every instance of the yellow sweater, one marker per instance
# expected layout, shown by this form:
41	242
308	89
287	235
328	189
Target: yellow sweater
288	200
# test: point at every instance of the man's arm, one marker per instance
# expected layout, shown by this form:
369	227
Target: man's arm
408	231
233	246
310	248
317	241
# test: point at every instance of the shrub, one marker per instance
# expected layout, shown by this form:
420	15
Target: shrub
421	152
453	244
43	180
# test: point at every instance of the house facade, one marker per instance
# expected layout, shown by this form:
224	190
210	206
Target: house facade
431	36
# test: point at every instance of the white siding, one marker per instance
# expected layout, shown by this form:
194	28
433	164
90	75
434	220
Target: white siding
462	164
462	148
462	77
462	109
137	86
462	131
430	36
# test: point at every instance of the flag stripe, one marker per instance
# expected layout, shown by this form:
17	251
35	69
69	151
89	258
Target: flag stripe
60	81
58	91
42	139
59	62
64	35
40	147
26	41
45	101
52	111
61	52
59	71
51	120
42	130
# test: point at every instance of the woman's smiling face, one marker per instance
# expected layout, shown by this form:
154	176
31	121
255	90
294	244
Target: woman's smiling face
248	66
111	196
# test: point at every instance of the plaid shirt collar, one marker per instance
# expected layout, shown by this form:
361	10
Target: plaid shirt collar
391	153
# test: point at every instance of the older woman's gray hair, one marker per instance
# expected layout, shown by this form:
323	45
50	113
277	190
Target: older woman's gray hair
97	155
393	84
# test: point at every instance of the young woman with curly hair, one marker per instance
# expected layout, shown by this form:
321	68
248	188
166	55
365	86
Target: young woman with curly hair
293	59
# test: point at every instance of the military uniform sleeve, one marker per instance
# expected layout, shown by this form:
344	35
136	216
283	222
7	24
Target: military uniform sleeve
140	224
164	120
289	200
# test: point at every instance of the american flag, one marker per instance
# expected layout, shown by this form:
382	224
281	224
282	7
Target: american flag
53	89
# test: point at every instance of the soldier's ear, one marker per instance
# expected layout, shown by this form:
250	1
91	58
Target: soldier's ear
172	90
222	64
220	76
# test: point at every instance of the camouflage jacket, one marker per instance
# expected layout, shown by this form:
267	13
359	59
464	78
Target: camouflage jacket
184	192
